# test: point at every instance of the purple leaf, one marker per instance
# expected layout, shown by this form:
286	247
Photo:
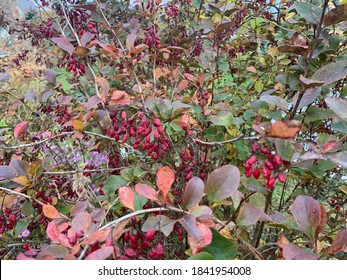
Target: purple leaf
159	222
193	193
293	252
78	208
308	215
222	183
63	43
188	221
339	242
250	215
8	172
86	37
100	254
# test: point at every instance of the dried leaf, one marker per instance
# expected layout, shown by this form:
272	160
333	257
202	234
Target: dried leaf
77	124
50	211
284	129
336	15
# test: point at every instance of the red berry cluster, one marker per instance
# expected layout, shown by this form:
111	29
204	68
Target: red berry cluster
203	97
73	239
139	245
91	27
171	11
152	38
268	167
142	133
74	66
8	220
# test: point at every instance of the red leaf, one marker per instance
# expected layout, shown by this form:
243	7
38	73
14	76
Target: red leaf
20	129
50	212
63	43
165	178
120	97
82	221
147	192
193	192
284	129
206	238
97	236
52	231
63	240
331	146
100	254
339	242
127	197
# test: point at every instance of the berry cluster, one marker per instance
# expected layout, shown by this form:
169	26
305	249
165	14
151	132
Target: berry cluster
8	220
203	97
171	11
152	38
74	66
268	167
143	134
140	245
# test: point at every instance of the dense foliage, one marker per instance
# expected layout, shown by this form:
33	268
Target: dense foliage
173	130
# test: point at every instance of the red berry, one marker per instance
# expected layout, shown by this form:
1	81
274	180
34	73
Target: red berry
249	172
146	245
79	234
281	177
130	253
152	254
266	172
270	183
269	165
26	247
277	160
157	122
252	160
265	151
126	237
256	173
72	240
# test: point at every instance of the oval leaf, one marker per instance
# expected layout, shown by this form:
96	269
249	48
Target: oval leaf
63	43
284	129
193	192
20	129
338	105
50	212
331	72
307	214
8	172
250	215
339	242
147	192
188	221
165	178
293	252
222	183
159	222
52	231
127	197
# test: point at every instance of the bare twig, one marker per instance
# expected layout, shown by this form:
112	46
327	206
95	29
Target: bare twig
23	195
241	137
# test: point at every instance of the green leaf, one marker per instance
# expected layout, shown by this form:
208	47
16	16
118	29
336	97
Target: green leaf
201	256
27	208
113	183
222	118
133	173
139	201
20	227
221	248
309	12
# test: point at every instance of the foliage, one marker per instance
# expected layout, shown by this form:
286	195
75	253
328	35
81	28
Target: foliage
154	130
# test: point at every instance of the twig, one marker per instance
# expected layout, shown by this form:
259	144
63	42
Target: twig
23	195
85	170
241	137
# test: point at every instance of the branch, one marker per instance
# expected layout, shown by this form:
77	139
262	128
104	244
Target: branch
241	137
23	195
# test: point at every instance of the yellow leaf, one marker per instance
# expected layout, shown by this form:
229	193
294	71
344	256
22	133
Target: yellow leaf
77	124
22	180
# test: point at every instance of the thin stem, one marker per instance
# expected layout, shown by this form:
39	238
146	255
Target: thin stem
241	137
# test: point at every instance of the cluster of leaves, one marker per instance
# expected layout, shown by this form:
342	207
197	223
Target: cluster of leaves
144	121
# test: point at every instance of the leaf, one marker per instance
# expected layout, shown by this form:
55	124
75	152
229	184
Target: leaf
51	76
222	118
52	231
8	172
120	97
339	158
336	15
201	211
97	236
331	146
221	248
20	129
309	83
206	237
81	51
130	40
63	43
55	250
92	102
308	215
77	124
127	197
159	222
284	129
139	201
50	212
82	221
331	72
113	183
275	100
250	215
201	256
100	254
188	221
222	183
79	207
309	12
21	180
339	242
164	180
193	193
86	37
338	105
147	192
310	95
293	252
297	49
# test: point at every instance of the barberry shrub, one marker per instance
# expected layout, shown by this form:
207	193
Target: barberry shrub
174	130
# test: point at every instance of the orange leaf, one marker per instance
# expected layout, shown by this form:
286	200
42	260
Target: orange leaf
146	191
120	97
127	197
77	124
284	129
50	212
165	179
20	129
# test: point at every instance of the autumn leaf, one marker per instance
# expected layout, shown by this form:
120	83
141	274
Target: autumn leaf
127	197
284	129
77	124
165	178
20	129
50	211
22	180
